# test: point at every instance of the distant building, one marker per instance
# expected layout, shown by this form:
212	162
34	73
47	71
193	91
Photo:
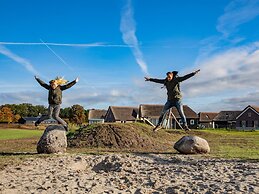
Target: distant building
206	119
96	116
248	118
121	114
226	119
32	120
151	112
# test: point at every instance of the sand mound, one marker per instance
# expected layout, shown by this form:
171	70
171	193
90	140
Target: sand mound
114	136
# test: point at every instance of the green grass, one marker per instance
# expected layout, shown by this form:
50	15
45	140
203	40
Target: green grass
232	144
8	134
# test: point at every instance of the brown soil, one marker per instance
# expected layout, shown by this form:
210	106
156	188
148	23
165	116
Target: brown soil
120	136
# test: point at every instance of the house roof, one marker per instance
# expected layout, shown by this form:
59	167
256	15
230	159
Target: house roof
154	111
96	114
36	118
207	116
124	113
222	116
30	118
254	108
150	110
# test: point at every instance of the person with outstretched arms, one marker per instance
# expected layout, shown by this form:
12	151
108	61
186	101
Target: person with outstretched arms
174	96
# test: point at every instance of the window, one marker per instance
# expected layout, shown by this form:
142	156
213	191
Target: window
256	123
249	114
192	122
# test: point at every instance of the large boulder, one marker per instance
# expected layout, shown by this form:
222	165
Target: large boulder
192	145
53	140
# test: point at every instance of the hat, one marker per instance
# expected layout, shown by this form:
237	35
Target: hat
175	73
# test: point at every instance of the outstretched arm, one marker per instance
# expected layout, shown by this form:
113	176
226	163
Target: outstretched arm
180	79
160	81
69	85
42	83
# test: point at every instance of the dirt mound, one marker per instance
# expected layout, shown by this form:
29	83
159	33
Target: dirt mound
122	136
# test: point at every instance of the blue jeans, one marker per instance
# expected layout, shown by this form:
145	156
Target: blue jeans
53	112
173	103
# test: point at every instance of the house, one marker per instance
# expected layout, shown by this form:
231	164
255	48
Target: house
96	116
32	120
248	119
151	112
206	119
121	114
226	119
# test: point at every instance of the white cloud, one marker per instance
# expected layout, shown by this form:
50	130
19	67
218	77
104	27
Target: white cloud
24	62
128	29
236	13
229	71
23	97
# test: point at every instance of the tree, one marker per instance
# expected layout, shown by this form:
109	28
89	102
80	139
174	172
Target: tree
77	114
26	109
16	118
6	115
65	112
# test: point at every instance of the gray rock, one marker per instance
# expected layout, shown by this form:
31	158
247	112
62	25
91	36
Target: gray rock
53	140
192	145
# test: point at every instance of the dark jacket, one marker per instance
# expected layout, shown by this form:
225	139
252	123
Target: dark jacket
55	96
173	86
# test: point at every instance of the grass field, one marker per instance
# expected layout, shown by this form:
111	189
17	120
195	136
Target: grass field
7	134
233	144
17	144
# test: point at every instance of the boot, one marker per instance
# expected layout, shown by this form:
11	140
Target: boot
37	123
66	128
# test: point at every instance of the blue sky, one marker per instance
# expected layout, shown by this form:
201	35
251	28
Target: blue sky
112	45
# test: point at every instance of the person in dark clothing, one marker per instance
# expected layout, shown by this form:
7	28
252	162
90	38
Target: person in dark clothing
172	84
55	99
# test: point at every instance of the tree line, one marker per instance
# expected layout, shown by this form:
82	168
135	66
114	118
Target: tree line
11	113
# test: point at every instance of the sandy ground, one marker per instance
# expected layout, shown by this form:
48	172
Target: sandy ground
130	173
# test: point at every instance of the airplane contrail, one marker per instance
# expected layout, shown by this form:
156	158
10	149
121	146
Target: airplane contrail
65	44
128	29
59	57
24	62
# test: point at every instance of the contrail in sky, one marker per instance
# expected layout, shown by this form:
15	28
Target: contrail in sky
59	57
64	44
128	29
24	62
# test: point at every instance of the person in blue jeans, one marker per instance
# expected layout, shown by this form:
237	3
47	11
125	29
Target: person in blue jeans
55	88
174	96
